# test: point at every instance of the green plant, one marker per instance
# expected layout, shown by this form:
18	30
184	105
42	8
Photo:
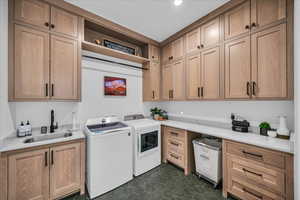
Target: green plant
155	111
264	125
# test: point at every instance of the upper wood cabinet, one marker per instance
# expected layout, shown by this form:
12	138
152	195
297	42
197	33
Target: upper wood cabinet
269	71
151	82
31	55
64	22
203	74
192	41
237	69
65	170
210	33
154	53
28	175
167	81
267	12
33	12
173	51
237	20
167	53
64	68
178	92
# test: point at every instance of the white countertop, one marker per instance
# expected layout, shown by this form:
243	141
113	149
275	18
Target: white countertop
248	138
14	143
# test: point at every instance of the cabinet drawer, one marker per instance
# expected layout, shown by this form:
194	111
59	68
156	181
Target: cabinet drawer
176	158
270	178
257	154
246	191
177	134
176	146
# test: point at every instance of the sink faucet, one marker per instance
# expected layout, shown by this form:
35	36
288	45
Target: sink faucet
52	126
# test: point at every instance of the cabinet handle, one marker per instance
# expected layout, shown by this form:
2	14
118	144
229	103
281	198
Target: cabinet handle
245	170
202	91
46	24
52	90
172	155
174	133
252	154
47	89
153	57
198	46
52	26
253	24
169	94
175	144
248	90
172	92
46	158
254	88
171	57
52	158
251	193
153	94
198	91
202	45
247	27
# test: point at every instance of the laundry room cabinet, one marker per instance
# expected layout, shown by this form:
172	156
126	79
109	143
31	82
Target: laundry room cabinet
46	172
44	41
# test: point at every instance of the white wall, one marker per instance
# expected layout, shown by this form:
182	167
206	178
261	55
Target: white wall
6	110
297	95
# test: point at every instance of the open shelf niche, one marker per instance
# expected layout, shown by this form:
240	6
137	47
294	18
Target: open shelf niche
93	32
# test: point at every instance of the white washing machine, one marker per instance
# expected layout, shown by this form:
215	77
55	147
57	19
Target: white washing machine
146	144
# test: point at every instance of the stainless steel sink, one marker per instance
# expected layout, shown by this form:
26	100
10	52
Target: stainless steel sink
48	137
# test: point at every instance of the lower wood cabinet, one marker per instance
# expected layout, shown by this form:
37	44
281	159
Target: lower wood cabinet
251	172
177	148
44	173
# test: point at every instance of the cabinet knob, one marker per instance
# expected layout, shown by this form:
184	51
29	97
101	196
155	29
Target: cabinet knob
46	24
198	46
247	27
253	24
153	57
202	46
52	26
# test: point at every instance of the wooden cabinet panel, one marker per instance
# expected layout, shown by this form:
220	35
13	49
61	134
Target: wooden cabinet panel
269	67
192	41
266	12
147	90
64	68
154	53
178	92
167	53
177	49
210	73
31	56
167	83
210	33
33	12
155	80
28	175
193	76
64	22
65	170
237	68
237	20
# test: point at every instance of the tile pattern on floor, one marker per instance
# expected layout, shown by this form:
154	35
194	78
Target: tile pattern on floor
162	183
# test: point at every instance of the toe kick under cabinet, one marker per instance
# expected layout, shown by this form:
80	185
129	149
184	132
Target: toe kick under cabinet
46	172
254	173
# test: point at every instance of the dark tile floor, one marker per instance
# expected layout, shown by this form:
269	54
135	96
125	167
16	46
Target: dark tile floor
162	183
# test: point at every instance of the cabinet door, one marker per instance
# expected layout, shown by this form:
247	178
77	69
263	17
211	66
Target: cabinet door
147	90
193	76
33	12
166	53
210	73
269	67
154	53
266	12
155	80
237	20
64	68
210	33
28	175
178	92
167	84
237	68
177	49
64	170
192	41
31	56
64	22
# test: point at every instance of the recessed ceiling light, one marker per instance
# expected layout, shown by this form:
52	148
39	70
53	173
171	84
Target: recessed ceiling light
177	2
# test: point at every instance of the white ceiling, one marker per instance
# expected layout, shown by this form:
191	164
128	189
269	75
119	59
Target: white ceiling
156	19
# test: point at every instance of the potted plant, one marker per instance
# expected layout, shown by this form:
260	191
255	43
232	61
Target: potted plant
155	113
264	127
